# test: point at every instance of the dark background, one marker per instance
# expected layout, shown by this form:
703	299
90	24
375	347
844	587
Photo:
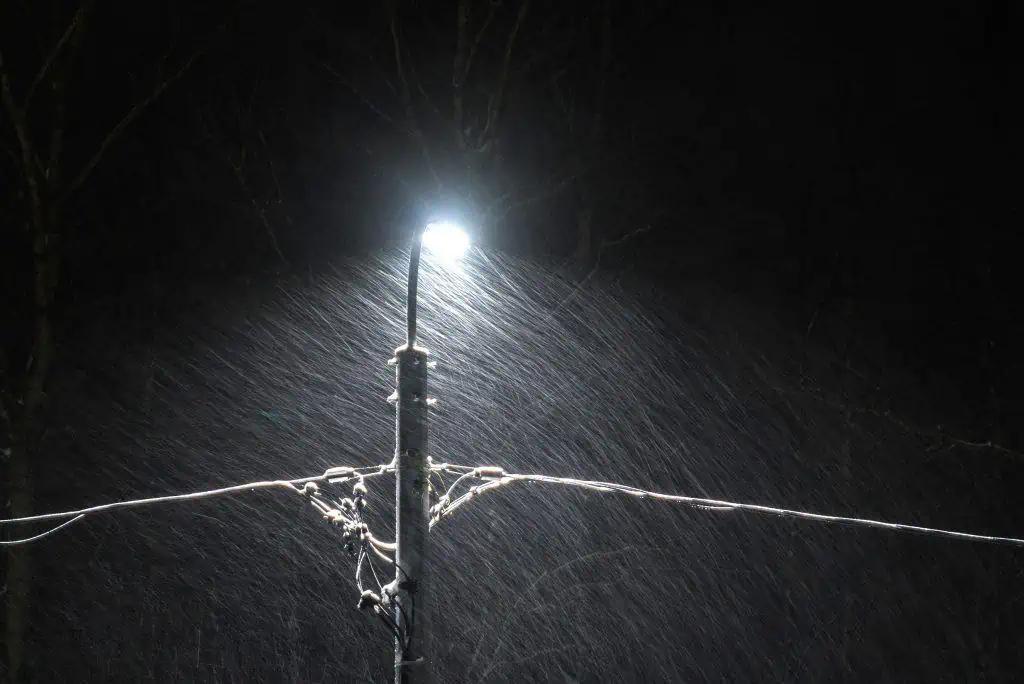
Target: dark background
848	160
835	172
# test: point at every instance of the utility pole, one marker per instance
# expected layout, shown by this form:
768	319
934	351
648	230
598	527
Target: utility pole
408	594
412	499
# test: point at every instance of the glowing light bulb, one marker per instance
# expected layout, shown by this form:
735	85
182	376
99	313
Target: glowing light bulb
445	240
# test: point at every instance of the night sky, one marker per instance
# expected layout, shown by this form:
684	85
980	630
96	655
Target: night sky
847	160
813	190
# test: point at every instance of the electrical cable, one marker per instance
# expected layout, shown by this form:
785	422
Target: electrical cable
47	533
496	477
493	478
334	475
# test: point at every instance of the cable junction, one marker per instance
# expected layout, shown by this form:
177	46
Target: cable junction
346	513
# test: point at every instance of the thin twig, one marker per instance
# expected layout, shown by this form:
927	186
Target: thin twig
121	125
45	67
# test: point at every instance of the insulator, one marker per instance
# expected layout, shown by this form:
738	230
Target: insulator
489	471
339	471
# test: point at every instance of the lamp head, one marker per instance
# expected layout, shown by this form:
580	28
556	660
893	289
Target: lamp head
445	240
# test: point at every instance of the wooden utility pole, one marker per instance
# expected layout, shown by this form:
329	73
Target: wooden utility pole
412	499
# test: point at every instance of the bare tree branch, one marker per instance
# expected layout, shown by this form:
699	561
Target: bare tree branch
58	99
508	202
373	107
28	157
426	96
496	101
465	53
459	71
273	177
410	111
597	265
423	91
45	67
399	69
125	121
939	439
492	7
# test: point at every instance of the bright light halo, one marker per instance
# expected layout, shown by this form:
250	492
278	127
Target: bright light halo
445	240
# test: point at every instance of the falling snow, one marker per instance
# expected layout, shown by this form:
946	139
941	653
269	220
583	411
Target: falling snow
535	374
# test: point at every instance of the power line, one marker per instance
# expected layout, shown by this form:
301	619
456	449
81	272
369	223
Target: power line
347	512
47	533
495	477
333	475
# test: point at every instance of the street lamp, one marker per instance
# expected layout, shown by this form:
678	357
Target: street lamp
447	242
412	492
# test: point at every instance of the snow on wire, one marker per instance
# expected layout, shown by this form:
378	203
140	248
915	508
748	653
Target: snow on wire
347	512
343	512
494	477
293	485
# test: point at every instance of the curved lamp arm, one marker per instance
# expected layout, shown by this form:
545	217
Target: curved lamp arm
414	276
447	242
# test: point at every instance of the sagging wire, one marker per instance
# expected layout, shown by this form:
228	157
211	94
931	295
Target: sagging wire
346	513
360	542
292	485
47	533
494	477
